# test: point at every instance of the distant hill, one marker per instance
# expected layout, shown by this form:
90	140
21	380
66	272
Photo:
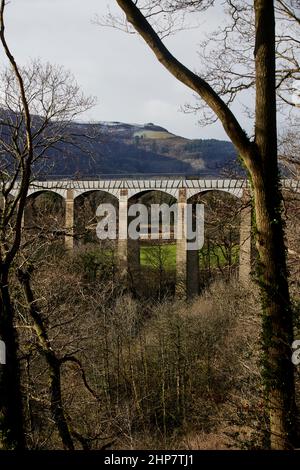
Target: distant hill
127	149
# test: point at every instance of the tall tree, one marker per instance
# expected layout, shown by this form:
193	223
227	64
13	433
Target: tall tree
37	104
261	160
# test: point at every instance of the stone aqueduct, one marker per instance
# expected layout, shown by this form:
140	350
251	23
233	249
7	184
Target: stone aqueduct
182	189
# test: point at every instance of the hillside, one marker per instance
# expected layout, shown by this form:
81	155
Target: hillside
126	149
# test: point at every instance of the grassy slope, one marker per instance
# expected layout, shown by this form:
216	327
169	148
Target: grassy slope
153	134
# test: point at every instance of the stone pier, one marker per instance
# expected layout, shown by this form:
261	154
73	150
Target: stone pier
193	275
133	247
181	245
123	235
69	220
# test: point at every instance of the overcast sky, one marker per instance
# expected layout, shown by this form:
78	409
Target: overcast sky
117	68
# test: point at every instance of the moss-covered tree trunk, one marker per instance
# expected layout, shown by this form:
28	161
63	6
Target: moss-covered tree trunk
273	277
277	324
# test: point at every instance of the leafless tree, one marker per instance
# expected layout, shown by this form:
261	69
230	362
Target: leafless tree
37	104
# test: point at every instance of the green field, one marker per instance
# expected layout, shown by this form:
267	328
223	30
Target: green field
165	255
154	256
153	134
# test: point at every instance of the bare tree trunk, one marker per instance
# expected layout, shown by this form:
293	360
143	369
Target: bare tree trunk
11	415
57	408
53	362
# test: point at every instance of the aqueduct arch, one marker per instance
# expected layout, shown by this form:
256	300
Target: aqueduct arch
44	209
84	217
